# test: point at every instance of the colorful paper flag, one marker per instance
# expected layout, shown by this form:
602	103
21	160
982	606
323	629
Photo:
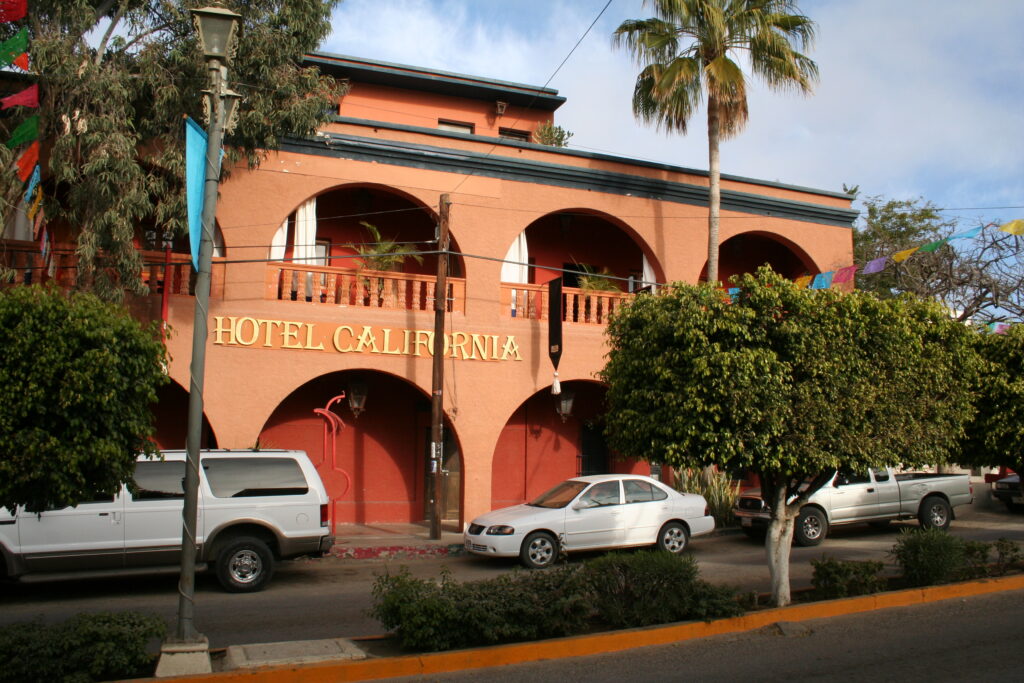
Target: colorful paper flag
27	131
13	10
13	47
1014	227
28	159
901	256
844	274
931	246
966	235
823	280
21	61
32	182
734	293
29	97
36	203
875	265
803	281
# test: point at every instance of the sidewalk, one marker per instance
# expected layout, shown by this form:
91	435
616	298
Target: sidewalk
394	541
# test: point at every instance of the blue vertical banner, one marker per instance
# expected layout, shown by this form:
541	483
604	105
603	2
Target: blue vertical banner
195	184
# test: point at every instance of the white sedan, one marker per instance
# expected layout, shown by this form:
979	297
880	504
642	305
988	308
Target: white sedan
588	513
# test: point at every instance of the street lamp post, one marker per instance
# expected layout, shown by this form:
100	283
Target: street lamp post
217	27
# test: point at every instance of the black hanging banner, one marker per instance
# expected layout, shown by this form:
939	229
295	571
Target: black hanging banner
555	328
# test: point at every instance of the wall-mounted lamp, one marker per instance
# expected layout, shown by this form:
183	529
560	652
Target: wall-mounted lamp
356	397
563	404
500	107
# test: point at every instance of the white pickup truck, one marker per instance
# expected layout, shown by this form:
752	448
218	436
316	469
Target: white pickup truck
876	497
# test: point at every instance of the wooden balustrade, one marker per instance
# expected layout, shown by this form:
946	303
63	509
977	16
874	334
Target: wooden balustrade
361	288
25	259
578	306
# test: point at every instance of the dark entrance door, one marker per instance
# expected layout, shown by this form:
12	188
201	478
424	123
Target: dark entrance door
593	457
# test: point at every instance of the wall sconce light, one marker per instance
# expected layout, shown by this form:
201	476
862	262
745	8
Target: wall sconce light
356	397
500	107
563	404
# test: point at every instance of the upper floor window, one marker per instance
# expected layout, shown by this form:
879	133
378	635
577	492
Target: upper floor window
513	134
455	126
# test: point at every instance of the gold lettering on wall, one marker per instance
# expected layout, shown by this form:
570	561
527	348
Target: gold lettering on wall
290	334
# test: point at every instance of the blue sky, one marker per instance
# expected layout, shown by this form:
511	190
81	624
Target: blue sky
916	98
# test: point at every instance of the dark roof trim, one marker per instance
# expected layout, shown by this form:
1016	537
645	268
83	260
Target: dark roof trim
449	160
583	155
431	80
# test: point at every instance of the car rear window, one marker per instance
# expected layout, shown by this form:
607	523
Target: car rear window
638	491
257	476
158	480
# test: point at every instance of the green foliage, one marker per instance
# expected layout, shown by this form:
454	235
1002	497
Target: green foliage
995	438
77	378
89	647
442	615
717	487
619	590
1008	556
929	556
654	587
846	578
551	135
116	78
787	382
385	254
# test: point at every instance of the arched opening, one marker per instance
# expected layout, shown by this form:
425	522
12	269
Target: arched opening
598	259
375	467
749	251
537	448
363	245
171	416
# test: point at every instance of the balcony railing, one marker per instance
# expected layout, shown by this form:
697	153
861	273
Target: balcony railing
158	268
578	306
362	288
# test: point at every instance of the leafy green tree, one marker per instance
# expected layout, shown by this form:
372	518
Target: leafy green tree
116	78
789	383
981	279
995	438
77	380
687	53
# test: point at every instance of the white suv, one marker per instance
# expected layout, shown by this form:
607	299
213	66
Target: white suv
254	506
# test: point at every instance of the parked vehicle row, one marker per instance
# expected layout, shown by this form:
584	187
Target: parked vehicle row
1007	490
254	508
875	497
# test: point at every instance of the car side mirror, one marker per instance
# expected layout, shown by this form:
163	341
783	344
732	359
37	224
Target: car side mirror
579	505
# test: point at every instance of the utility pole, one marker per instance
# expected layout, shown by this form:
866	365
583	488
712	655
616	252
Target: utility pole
437	378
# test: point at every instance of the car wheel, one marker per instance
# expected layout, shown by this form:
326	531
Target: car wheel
673	538
935	513
1013	507
811	527
540	549
244	565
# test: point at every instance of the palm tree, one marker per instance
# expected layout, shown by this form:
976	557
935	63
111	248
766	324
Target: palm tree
686	54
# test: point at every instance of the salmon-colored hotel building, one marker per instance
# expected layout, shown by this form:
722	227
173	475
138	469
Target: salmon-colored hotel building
299	317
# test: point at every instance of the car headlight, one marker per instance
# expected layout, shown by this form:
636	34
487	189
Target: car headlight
500	530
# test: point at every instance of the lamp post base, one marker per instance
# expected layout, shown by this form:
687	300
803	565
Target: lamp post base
184	658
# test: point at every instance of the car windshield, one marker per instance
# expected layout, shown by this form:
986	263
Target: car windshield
560	496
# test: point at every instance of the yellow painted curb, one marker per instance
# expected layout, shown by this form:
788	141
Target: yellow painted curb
613	641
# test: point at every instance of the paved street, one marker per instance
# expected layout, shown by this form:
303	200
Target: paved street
325	598
954	640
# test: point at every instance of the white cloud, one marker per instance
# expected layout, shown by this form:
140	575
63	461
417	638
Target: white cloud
917	97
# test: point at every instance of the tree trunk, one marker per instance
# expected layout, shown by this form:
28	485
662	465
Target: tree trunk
778	543
714	188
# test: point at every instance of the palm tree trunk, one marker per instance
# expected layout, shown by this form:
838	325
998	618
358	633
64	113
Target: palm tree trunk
714	188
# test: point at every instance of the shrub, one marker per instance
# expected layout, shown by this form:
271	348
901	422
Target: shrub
929	556
654	587
88	647
717	488
1008	555
975	563
440	615
846	578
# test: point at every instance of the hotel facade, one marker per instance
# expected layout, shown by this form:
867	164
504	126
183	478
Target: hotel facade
313	346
